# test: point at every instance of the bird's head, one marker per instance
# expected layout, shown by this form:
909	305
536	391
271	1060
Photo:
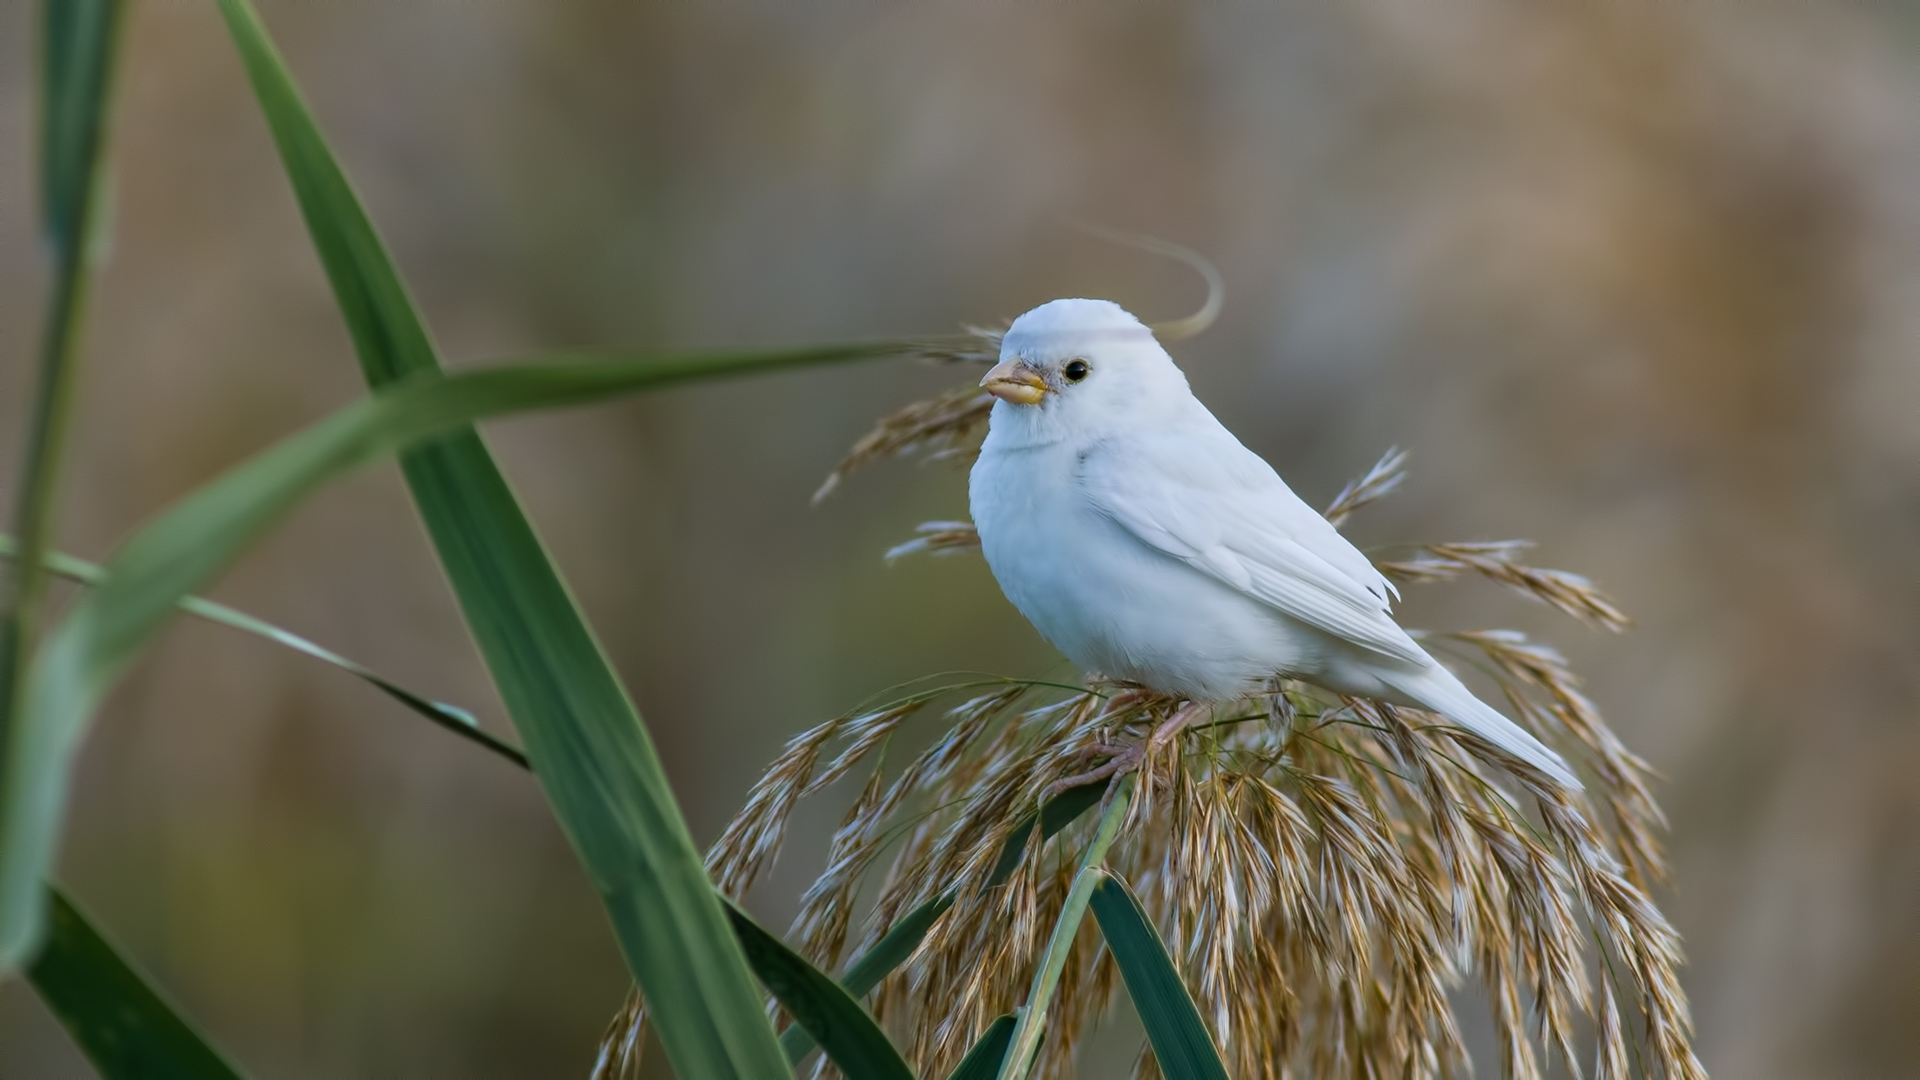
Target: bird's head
1080	363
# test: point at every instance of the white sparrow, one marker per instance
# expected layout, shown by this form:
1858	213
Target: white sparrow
1147	544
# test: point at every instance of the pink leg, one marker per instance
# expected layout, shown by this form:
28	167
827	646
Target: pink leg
1178	722
1124	700
1125	759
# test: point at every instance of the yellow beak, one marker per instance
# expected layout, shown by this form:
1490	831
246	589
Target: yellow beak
1015	382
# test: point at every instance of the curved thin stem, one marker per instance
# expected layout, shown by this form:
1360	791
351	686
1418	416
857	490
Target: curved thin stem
78	73
1026	1034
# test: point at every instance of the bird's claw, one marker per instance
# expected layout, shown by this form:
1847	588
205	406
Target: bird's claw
1120	761
1123	758
1127	699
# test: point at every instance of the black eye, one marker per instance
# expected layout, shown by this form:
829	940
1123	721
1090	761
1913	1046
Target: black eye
1076	370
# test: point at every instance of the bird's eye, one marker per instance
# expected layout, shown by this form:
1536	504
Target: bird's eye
1076	370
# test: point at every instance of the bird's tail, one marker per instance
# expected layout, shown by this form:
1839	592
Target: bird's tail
1437	689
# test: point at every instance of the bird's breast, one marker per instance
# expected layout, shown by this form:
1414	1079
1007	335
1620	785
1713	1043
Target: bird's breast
1111	603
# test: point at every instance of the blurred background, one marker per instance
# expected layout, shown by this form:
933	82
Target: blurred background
1640	281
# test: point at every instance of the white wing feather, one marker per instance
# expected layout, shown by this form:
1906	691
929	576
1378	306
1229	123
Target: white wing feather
1217	506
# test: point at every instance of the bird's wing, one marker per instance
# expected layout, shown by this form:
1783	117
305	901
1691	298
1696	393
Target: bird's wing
1217	506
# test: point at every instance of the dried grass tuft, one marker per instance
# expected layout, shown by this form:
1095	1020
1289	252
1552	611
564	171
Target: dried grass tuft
1380	481
1498	560
938	538
1327	871
943	424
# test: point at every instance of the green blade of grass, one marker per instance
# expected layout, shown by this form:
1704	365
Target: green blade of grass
103	1001
78	38
1057	813
904	936
1046	978
894	947
983	1060
875	964
113	1018
127	1028
613	798
821	1006
1180	1041
124	1026
588	745
452	717
77	53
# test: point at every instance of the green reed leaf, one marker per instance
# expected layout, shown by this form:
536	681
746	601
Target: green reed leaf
72	953
875	964
74	957
821	1006
587	743
123	1025
452	717
1057	813
983	1061
894	947
1180	1041
904	936
598	769
77	61
1033	1015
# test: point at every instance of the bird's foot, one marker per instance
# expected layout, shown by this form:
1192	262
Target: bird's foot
1127	699
1123	758
1182	718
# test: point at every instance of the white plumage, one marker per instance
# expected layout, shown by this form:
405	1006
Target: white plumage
1146	543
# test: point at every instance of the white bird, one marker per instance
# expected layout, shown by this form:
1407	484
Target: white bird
1147	544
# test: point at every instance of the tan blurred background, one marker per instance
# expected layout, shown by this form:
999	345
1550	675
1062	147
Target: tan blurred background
1640	280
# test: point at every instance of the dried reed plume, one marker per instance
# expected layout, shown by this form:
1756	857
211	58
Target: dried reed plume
1327	870
944	423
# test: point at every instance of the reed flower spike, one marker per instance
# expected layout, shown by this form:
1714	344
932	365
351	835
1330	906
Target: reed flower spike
1326	870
